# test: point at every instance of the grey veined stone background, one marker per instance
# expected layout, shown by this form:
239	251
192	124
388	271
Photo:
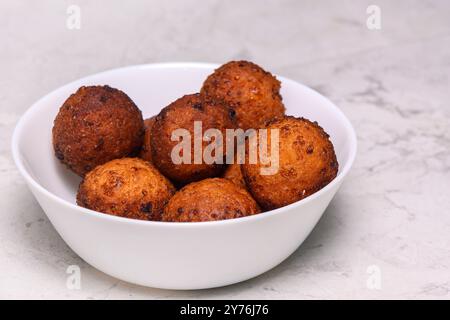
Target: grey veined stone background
385	235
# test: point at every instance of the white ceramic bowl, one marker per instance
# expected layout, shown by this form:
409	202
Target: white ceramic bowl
173	255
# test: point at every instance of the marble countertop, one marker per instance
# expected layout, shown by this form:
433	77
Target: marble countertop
386	234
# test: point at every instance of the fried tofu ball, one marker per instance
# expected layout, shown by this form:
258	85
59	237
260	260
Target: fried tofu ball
307	163
253	93
146	151
181	114
126	187
95	125
208	200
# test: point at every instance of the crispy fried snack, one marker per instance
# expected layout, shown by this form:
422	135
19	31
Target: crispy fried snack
181	114
146	151
95	125
208	200
253	93
234	173
307	163
127	187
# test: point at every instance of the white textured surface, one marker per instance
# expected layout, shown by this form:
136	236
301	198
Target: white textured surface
393	211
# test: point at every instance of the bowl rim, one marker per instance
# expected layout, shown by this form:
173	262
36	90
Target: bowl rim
95	214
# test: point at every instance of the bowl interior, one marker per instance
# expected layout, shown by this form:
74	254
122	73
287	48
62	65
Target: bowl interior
152	87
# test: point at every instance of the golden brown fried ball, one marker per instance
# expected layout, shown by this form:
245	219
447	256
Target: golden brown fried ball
127	187
208	200
307	163
181	114
253	93
146	151
234	173
95	125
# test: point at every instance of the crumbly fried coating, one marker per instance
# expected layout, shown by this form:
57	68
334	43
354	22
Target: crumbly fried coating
233	173
126	187
181	114
208	200
307	163
95	125
253	93
146	150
